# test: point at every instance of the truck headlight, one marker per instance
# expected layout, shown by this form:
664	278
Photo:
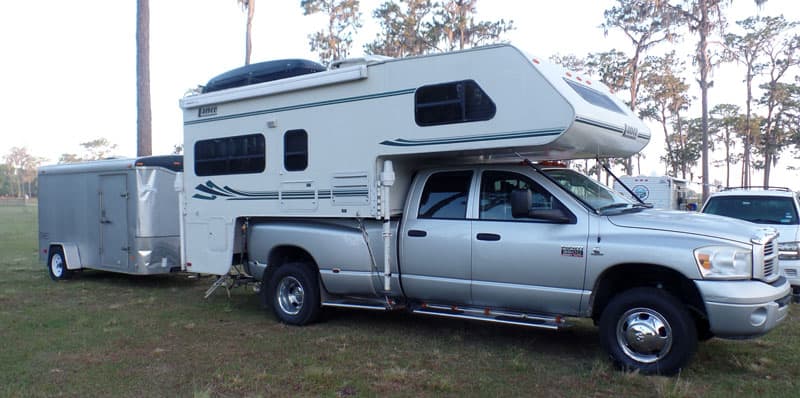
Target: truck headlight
724	262
789	250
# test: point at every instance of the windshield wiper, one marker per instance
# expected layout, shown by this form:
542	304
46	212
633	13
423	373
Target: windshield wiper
614	206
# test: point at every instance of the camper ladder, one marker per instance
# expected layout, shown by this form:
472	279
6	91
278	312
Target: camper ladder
231	280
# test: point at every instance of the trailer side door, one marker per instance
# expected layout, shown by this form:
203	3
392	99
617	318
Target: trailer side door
114	245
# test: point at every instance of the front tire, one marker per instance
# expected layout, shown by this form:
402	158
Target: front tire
57	264
295	294
648	330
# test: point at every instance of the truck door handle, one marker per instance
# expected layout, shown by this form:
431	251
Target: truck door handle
105	221
489	237
417	233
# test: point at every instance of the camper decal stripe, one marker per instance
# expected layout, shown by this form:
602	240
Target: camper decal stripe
607	126
211	191
490	137
304	106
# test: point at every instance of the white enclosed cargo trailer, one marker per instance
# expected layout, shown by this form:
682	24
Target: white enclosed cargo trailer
117	215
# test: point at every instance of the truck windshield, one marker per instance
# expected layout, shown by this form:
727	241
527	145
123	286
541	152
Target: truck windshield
597	196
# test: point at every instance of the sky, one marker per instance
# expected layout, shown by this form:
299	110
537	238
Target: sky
68	70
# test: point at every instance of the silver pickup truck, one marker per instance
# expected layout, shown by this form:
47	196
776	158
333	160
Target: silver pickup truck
532	246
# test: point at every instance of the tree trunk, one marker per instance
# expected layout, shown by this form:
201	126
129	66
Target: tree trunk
705	28
727	157
248	40
144	146
747	130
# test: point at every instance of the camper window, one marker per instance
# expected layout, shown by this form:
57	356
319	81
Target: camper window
295	150
445	196
594	97
241	154
455	102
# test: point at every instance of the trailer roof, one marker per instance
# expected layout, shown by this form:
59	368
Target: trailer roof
170	162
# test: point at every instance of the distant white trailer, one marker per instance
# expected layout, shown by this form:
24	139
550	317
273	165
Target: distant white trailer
117	215
663	192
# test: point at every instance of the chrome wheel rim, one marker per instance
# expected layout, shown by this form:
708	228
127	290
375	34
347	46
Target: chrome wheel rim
290	295
644	335
57	265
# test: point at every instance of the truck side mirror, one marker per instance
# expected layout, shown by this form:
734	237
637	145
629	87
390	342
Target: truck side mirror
521	203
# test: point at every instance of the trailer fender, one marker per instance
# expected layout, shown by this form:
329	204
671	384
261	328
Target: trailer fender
71	254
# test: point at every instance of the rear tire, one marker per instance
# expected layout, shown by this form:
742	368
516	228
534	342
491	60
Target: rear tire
295	294
57	264
648	330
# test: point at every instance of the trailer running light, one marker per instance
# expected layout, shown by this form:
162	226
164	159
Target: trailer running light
188	264
44	251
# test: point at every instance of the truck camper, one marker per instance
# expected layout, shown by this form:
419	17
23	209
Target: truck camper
412	184
117	215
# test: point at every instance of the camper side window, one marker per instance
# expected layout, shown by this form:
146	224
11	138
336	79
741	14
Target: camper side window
594	97
241	154
455	102
445	196
295	150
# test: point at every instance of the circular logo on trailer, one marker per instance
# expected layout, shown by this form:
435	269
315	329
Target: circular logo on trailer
641	191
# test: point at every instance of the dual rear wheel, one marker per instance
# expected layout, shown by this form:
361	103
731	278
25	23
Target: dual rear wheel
294	294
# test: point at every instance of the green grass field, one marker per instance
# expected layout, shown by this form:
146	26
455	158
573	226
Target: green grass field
103	334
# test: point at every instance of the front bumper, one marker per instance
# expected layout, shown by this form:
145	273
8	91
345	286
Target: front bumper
744	309
790	269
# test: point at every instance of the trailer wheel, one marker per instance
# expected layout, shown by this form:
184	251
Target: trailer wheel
648	330
57	264
295	294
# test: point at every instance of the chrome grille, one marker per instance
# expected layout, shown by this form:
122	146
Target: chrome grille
770	260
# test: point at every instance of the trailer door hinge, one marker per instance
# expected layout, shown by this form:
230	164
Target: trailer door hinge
124	195
125	248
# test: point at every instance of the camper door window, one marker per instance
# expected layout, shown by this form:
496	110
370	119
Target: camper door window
241	154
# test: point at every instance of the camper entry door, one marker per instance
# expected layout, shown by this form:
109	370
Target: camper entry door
114	245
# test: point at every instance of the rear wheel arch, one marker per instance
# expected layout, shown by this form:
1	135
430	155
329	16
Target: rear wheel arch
282	255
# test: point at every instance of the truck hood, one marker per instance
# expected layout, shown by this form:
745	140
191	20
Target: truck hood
691	223
789	233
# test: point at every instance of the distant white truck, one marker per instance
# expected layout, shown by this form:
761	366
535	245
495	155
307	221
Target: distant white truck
663	192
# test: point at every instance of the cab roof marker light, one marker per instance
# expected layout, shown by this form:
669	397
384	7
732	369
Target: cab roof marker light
536	61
